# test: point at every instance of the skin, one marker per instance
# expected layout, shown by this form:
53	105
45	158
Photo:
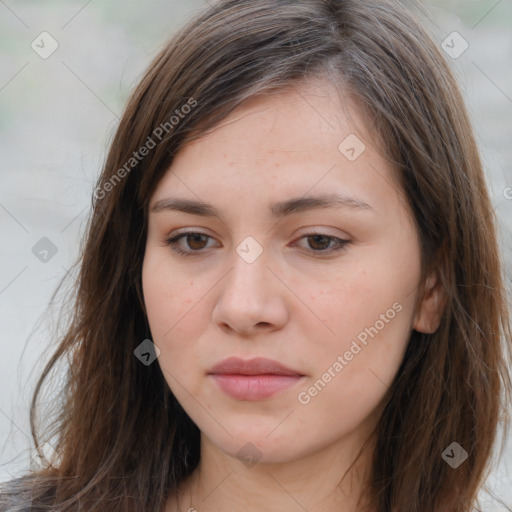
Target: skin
297	303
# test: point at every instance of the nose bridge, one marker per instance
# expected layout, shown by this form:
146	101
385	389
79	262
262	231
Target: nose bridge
249	274
249	293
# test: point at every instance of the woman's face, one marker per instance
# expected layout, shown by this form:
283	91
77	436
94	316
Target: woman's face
302	252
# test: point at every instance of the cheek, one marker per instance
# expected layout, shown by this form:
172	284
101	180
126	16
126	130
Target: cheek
370	312
356	298
352	370
174	304
179	311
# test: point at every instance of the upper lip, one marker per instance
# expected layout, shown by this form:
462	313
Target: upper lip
256	366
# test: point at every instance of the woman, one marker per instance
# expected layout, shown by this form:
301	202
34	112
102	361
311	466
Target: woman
290	294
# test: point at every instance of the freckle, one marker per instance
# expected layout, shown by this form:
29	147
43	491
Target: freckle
278	165
225	156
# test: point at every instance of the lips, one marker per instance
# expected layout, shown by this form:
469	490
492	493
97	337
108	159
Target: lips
253	379
256	366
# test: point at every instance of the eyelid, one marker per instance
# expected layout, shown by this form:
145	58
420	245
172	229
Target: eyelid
341	242
174	238
305	231
323	231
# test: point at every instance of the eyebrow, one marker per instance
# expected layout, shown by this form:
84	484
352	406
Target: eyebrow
280	209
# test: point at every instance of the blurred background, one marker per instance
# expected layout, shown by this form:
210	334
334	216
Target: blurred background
66	69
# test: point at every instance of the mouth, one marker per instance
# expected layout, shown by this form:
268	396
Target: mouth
253	379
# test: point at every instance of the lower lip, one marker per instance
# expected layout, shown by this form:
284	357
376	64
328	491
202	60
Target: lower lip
254	387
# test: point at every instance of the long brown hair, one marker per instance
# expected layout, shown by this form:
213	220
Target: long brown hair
123	441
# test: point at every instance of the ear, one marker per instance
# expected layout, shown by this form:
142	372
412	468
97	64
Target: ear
429	312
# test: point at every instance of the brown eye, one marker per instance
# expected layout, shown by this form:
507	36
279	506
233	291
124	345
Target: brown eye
323	244
196	241
319	242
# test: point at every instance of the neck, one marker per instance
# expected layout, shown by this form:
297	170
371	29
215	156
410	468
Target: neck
328	480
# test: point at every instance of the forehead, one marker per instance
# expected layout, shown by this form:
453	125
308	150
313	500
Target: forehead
311	113
287	143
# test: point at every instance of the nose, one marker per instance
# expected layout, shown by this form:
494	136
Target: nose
252	299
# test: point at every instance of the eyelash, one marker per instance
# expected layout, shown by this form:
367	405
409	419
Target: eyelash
173	242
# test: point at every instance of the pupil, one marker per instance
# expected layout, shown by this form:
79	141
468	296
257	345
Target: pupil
196	238
318	238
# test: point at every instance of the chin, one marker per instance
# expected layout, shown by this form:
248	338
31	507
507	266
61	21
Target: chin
259	444
259	451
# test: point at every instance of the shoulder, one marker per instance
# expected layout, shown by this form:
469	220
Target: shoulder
16	496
